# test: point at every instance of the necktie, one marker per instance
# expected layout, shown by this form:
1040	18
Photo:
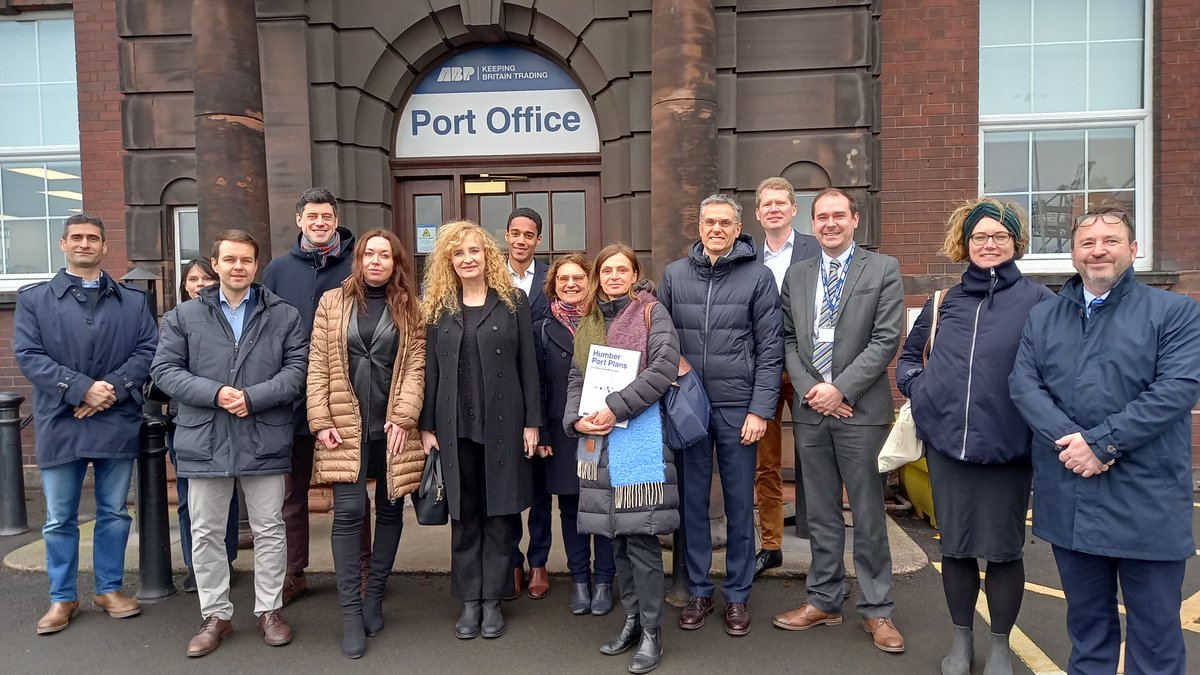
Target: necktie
1096	302
823	352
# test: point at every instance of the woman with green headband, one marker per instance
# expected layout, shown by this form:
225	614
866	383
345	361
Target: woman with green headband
977	443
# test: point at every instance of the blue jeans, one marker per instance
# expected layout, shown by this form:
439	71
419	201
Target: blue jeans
62	486
185	518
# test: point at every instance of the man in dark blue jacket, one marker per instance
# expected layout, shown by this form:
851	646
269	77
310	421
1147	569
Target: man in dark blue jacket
85	342
726	309
1106	376
783	246
320	261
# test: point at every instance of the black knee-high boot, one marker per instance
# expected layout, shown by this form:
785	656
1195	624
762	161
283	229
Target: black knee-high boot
389	523
347	525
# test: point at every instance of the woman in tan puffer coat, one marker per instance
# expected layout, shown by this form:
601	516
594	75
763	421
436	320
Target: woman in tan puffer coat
366	379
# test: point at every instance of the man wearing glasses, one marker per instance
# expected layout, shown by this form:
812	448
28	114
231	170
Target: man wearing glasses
725	306
1106	376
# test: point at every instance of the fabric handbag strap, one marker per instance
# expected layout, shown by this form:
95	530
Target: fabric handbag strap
938	296
684	366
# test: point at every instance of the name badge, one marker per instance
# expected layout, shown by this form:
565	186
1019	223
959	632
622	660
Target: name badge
824	335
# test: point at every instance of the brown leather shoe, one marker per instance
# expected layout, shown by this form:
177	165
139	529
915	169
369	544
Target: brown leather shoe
294	586
694	613
804	617
883	631
518	583
208	638
275	631
539	582
58	616
118	606
737	619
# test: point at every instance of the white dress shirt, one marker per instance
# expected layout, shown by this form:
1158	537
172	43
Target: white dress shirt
522	281
779	261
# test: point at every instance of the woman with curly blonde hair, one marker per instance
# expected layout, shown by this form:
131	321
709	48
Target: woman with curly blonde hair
482	412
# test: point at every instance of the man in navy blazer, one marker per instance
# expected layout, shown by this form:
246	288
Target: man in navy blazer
523	233
783	246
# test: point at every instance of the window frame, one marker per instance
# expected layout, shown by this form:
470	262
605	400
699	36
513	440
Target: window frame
1142	121
39	153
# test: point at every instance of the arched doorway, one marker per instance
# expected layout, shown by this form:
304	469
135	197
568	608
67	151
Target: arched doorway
492	129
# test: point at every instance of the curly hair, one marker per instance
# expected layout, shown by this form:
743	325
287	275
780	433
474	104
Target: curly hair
955	247
442	284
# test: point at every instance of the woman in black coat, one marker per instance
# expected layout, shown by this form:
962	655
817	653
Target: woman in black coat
628	488
482	411
978	446
567	291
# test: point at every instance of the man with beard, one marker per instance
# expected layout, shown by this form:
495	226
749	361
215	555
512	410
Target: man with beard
1107	376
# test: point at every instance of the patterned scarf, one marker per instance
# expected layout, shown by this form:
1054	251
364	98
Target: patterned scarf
331	248
567	315
635	460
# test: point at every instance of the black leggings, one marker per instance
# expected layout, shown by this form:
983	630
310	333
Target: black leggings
1005	587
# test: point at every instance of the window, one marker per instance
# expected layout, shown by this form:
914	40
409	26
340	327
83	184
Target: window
187	239
40	179
1064	115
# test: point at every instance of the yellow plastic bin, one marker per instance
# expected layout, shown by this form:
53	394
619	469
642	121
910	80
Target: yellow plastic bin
914	485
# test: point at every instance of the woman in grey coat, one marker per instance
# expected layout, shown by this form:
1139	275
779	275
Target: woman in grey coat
628	489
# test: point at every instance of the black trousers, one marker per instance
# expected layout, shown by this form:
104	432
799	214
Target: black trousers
350	509
481	545
640	576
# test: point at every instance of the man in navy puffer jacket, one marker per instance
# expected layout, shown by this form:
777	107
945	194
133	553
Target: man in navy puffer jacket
725	307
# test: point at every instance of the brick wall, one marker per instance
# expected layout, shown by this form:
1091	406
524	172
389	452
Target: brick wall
929	83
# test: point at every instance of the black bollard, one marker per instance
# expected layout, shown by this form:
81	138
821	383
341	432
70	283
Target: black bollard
13	518
677	593
154	532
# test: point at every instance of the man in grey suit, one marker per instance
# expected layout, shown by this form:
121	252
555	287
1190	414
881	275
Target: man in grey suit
844	412
783	246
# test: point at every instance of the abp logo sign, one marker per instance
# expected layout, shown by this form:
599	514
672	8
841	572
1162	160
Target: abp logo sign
456	74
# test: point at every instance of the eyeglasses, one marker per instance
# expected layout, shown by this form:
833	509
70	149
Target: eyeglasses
1000	238
569	278
1110	217
724	224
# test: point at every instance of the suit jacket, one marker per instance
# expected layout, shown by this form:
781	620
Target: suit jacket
805	246
510	400
539	305
866	338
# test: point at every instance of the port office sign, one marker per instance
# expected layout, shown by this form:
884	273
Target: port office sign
496	101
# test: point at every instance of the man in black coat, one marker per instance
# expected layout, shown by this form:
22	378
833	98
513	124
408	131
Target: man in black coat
783	246
320	260
725	307
523	234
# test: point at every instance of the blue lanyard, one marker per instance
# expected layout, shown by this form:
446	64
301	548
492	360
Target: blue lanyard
832	300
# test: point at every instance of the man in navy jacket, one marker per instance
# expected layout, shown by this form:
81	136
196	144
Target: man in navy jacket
725	306
783	246
522	234
85	342
319	261
1106	376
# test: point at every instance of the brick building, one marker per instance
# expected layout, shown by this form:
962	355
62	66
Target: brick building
413	113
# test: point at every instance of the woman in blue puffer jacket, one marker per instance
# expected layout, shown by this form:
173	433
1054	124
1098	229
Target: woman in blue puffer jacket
977	443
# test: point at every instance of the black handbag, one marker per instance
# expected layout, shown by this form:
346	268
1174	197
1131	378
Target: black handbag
430	499
686	409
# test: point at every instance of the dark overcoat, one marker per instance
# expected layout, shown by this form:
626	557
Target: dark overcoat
63	346
556	345
511	400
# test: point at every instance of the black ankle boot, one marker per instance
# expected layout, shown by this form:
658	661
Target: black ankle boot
468	622
581	598
493	620
629	636
354	639
602	600
649	651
